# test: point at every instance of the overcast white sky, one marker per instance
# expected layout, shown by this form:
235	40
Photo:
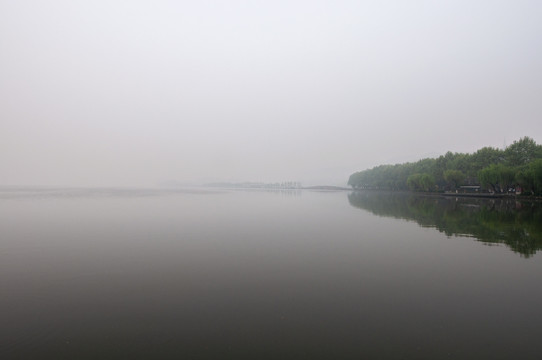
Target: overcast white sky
140	92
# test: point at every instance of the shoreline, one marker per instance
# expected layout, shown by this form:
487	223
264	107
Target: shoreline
464	195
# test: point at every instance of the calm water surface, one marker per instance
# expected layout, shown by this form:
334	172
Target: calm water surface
97	274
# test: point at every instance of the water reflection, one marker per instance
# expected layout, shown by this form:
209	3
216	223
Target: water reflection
212	274
507	221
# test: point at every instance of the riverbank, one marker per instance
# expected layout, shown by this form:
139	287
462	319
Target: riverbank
476	195
453	194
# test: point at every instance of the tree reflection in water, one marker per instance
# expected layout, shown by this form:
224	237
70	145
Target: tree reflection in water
518	224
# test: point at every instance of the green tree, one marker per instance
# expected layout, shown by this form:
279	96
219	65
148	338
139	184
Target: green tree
421	182
522	152
454	177
530	177
535	169
498	177
483	158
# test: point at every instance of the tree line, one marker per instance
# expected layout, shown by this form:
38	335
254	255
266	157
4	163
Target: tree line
519	166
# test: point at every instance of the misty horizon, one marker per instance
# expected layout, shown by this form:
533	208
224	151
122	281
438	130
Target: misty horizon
109	93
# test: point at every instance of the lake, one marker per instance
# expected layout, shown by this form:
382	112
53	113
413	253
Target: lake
224	274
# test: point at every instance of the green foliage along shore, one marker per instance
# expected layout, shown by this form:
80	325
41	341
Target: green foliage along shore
519	166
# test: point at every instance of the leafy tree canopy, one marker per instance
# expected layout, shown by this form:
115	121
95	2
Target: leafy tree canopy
517	166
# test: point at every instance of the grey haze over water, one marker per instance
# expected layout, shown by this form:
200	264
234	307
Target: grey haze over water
111	93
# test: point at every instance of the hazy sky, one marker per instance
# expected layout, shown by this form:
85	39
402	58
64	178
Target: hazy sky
142	92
